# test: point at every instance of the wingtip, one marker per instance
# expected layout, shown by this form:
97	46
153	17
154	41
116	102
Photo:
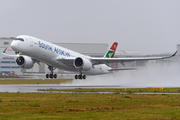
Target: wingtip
174	53
4	51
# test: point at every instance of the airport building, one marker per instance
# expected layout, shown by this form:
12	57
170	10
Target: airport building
8	64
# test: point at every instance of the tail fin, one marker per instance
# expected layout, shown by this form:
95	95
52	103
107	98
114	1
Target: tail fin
110	53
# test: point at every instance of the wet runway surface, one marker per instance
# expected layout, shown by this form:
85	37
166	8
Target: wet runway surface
106	81
41	76
24	88
33	88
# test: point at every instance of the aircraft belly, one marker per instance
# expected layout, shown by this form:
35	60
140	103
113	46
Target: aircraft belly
62	66
94	71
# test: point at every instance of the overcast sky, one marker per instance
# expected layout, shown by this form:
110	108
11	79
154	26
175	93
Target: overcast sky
147	26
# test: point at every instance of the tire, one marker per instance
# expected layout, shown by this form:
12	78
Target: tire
47	75
55	75
80	76
76	77
84	77
51	75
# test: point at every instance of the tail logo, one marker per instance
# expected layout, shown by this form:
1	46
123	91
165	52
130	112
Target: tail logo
111	55
115	47
111	51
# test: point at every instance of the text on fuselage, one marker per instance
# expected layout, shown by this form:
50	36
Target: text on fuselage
56	50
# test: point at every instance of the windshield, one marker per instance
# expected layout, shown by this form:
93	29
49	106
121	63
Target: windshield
19	39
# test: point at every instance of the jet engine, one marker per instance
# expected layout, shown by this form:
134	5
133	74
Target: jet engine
25	62
82	63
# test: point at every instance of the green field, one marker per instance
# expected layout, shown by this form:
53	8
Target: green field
52	106
120	90
33	106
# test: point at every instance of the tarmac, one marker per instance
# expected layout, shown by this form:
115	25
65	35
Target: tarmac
24	88
33	88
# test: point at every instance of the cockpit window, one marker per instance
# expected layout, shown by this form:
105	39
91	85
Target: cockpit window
19	39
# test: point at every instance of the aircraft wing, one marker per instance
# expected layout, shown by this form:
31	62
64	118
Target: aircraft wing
66	60
95	61
121	60
4	53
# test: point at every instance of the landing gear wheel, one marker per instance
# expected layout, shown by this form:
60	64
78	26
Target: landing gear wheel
80	76
76	77
47	75
55	75
51	75
84	77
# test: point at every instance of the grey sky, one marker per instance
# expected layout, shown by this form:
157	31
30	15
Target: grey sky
147	26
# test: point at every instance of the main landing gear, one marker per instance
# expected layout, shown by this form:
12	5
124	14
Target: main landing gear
80	76
51	75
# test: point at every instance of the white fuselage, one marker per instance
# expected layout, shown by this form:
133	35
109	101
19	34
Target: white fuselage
48	53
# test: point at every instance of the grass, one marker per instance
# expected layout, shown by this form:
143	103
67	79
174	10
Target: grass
88	106
119	90
26	106
36	81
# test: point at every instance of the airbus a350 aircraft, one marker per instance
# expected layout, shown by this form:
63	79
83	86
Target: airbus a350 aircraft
29	50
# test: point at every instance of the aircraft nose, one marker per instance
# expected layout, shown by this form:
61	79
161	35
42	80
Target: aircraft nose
14	45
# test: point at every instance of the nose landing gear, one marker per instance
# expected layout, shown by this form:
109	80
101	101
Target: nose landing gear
51	75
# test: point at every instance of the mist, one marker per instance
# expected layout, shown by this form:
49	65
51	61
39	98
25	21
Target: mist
150	75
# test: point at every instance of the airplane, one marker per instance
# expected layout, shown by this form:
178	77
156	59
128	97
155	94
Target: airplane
30	50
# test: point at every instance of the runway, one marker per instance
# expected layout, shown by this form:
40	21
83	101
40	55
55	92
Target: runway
33	88
124	79
41	76
26	88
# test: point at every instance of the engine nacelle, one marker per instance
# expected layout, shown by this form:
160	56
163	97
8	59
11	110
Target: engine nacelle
82	63
25	62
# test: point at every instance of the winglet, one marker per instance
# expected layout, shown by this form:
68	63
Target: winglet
174	53
4	51
171	55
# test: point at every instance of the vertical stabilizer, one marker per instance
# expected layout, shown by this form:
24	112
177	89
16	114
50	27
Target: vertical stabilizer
110	53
